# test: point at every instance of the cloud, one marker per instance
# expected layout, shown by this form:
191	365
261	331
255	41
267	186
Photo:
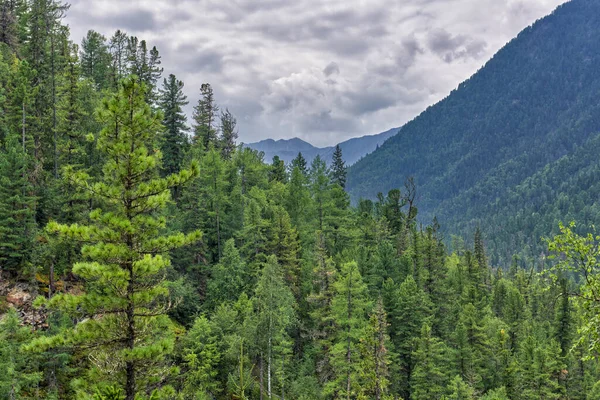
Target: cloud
451	47
276	64
331	68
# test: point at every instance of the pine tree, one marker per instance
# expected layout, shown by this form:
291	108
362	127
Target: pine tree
349	308
338	168
124	254
205	116
95	59
174	141
229	134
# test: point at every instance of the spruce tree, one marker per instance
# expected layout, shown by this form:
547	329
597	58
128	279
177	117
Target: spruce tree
205	116
300	163
119	60
376	357
174	140
275	316
349	308
18	375
229	134
338	168
17	208
201	356
95	59
278	173
431	373
229	278
123	326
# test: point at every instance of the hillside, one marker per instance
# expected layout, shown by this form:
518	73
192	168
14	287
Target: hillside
534	102
353	149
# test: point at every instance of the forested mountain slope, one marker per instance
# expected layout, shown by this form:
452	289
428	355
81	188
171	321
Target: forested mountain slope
533	103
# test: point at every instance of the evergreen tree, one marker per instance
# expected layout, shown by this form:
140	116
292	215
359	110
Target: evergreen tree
118	52
431	373
300	163
9	31
95	59
124	255
205	116
174	141
409	308
276	316
277	173
230	277
229	134
201	356
375	350
18	375
17	208
349	308
338	168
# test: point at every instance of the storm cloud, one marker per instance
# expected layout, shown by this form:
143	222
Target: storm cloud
323	71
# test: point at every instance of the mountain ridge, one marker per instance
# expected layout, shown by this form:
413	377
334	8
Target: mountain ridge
534	102
352	149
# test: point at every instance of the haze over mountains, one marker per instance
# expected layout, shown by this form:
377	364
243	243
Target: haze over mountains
353	149
513	149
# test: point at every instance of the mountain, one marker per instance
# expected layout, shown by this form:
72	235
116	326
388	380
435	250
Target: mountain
509	149
352	150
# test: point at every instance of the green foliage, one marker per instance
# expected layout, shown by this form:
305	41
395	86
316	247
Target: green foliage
125	330
514	167
18	375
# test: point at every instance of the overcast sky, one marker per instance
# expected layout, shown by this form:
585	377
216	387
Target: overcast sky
321	70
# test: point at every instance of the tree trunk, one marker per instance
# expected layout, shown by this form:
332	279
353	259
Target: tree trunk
269	393
262	379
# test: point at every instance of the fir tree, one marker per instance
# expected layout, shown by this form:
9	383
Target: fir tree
338	168
95	59
375	349
124	254
205	116
229	134
118	52
300	163
349	308
174	141
431	373
17	208
201	356
18	375
278	173
276	316
230	277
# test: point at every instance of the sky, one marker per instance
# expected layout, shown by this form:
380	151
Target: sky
321	70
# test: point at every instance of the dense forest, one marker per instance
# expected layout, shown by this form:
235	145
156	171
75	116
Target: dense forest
167	262
525	117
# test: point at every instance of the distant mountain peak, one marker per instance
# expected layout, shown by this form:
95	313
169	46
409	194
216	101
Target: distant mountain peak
353	149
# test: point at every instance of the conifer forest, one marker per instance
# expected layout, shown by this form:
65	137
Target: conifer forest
148	254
